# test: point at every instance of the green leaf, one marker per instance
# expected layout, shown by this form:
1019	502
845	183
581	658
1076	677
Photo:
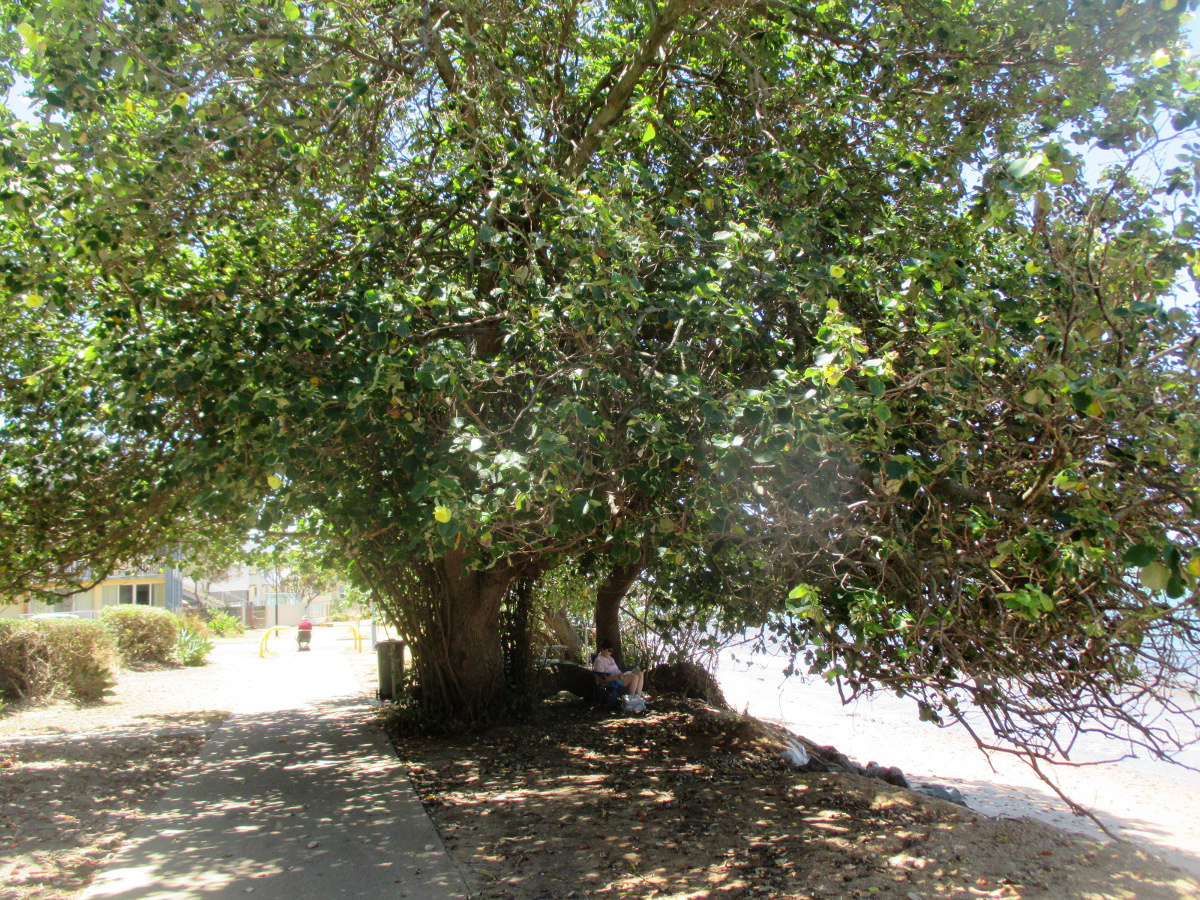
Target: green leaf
1160	58
291	11
1083	400
1026	165
1140	555
1031	602
649	133
29	35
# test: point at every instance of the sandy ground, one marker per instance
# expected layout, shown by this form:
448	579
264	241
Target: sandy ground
1152	803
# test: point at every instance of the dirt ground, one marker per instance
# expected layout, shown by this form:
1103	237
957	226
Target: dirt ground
75	779
689	802
683	802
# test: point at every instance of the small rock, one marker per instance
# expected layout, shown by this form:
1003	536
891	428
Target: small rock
941	792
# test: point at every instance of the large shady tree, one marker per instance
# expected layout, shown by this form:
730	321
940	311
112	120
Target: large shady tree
471	289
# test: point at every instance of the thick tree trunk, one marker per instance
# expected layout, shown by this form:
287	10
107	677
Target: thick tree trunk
521	652
608	605
452	616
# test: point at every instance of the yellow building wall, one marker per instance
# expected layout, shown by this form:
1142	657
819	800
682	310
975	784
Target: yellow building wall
89	601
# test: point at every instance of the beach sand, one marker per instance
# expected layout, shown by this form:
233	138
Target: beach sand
1151	803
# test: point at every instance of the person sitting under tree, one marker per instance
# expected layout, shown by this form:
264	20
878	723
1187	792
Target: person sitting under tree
609	672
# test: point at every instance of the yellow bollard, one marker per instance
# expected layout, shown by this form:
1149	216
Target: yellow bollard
262	645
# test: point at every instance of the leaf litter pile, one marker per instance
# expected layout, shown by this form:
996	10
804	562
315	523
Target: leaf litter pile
687	801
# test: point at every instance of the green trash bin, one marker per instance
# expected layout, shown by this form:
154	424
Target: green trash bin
390	654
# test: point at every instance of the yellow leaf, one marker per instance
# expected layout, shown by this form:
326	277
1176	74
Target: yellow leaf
1160	58
1155	576
1032	267
837	271
709	203
442	514
1095	410
1168	4
314	381
275	482
33	301
1193	566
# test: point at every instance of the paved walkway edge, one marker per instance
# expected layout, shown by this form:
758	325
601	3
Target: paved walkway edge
298	803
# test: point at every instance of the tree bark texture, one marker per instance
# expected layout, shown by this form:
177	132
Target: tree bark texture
451	615
608	605
520	649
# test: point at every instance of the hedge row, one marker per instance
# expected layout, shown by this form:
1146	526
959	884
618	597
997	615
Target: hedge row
143	633
45	658
61	658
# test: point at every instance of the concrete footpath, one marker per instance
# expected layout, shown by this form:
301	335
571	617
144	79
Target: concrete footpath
295	796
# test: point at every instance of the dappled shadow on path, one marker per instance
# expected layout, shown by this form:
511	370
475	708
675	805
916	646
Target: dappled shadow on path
299	803
685	803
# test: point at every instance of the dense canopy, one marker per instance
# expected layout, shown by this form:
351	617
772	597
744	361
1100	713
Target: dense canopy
814	305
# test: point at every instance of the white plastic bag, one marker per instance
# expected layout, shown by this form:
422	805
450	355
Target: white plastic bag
633	703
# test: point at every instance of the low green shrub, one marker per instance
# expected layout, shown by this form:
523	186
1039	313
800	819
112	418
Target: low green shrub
143	633
192	646
222	624
48	658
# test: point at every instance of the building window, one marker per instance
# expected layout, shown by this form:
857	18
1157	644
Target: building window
135	594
